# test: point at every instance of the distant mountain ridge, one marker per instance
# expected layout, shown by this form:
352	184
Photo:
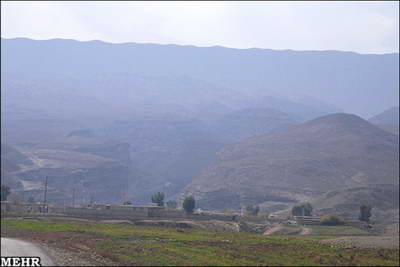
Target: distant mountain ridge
389	116
330	76
388	120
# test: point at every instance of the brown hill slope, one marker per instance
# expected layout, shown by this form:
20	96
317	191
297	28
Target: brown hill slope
391	128
384	199
332	152
95	168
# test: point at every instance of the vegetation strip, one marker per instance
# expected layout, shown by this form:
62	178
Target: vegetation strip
143	245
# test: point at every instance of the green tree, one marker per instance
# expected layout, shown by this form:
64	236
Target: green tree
172	204
158	198
188	204
365	213
5	191
304	209
252	210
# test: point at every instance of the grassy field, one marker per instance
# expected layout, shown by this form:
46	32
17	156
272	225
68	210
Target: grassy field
125	244
336	230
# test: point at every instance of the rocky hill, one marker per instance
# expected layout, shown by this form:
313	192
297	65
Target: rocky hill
11	161
97	170
332	152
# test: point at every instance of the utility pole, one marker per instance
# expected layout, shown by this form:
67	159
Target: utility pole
45	195
91	200
73	197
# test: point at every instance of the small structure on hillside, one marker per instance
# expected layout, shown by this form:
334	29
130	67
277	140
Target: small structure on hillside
307	220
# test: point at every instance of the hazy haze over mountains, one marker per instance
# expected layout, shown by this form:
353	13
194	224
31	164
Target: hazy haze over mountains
331	76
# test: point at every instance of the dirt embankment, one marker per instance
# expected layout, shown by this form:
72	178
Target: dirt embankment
287	230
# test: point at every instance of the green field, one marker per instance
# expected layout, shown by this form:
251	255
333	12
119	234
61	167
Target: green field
126	244
336	230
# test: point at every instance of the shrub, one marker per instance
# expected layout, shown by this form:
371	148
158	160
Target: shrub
331	220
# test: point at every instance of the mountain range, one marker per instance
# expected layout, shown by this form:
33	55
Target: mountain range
118	122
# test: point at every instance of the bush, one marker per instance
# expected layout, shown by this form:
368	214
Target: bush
331	220
189	204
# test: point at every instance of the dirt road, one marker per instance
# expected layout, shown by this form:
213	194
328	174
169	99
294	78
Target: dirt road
280	229
14	247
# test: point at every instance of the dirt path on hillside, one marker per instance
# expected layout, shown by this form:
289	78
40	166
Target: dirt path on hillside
274	229
281	229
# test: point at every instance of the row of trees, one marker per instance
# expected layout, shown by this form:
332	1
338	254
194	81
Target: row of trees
188	203
306	209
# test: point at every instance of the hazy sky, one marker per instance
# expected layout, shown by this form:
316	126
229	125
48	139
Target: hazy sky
364	27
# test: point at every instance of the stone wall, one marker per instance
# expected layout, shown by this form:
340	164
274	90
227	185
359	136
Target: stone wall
125	212
135	213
